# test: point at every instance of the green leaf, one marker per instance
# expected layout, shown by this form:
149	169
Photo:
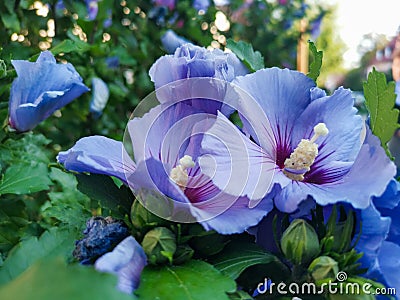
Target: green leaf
67	205
380	99
237	257
240	295
11	21
68	46
54	242
103	189
252	59
25	179
26	148
13	219
193	280
53	279
315	65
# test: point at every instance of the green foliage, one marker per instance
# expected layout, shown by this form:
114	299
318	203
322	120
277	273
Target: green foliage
54	242
53	279
67	204
24	149
13	221
238	256
315	65
101	188
24	179
245	52
380	99
159	244
192	280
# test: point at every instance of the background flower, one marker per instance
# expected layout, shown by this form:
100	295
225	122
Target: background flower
127	261
40	89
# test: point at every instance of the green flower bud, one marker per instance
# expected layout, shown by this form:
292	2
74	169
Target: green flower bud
323	268
141	217
160	245
300	242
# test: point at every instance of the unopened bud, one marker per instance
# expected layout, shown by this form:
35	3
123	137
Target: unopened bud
323	268
300	242
160	245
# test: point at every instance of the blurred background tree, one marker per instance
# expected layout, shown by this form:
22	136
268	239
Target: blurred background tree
117	41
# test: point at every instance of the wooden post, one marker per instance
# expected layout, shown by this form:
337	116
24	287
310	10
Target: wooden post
302	48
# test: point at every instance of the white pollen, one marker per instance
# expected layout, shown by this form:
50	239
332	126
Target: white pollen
304	155
187	162
179	174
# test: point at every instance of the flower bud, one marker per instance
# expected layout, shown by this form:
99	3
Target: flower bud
299	242
323	268
160	245
141	217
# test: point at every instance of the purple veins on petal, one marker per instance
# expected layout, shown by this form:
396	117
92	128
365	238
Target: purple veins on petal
280	109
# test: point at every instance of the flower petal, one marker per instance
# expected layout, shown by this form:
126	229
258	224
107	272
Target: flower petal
357	187
389	264
237	165
374	231
127	261
40	89
170	41
158	193
229	214
282	96
342	143
165	131
99	155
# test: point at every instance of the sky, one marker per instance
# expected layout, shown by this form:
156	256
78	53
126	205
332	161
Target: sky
358	17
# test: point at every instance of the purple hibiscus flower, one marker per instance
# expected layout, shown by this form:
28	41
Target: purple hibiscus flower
165	174
304	143
201	5
41	88
127	261
194	62
190	61
92	8
166	143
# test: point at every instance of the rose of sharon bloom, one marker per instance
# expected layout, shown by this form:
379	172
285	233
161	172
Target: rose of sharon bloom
100	96
41	88
127	261
304	143
194	62
191	61
166	143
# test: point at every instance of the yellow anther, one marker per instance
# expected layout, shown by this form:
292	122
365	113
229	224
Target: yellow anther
179	174
301	159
